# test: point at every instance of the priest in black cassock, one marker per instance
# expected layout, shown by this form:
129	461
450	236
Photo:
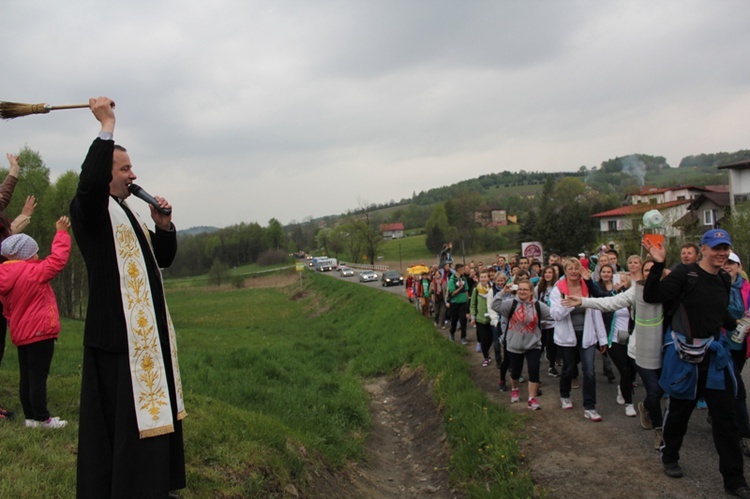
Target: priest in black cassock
130	440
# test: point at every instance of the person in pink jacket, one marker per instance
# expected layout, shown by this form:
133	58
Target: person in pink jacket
30	306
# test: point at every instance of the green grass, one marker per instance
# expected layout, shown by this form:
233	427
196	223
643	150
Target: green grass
412	250
274	390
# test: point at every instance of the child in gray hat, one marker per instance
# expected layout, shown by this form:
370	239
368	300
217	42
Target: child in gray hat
30	306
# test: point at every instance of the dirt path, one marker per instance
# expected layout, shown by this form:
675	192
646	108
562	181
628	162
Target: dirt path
407	453
570	456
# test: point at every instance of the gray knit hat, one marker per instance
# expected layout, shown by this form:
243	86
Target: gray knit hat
19	247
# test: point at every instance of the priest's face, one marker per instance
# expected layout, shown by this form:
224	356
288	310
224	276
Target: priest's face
122	174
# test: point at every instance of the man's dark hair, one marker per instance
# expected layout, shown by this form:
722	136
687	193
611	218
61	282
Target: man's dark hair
691	245
613	251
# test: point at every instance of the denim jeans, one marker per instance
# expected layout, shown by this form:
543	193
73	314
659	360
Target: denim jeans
652	402
587	356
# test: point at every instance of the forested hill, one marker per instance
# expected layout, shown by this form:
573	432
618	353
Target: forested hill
715	159
619	175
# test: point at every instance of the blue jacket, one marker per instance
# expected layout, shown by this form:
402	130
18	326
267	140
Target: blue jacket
679	379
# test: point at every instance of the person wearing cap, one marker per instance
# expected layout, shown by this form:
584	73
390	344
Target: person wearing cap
30	306
739	302
700	297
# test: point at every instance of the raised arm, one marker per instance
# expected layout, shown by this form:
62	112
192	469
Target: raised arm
9	184
55	262
608	303
92	195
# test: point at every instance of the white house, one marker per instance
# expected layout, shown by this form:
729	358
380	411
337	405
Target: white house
739	181
392	231
672	202
626	218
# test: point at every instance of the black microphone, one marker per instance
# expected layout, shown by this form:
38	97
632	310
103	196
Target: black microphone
138	191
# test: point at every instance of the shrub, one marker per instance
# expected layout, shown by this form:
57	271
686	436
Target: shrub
272	257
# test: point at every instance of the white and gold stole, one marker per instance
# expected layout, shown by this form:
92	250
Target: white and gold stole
147	370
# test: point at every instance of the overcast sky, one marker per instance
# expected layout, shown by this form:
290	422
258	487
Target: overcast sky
240	111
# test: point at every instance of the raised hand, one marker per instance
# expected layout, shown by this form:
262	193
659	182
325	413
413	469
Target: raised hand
657	251
29	206
14	168
63	223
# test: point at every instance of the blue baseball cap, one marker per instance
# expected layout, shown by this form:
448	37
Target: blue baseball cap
715	237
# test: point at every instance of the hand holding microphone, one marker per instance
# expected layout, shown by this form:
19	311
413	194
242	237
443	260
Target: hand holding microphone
138	192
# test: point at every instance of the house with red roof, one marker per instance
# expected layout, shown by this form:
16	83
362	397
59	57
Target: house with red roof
678	205
392	231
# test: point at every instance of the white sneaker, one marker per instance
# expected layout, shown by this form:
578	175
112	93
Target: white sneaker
566	403
630	411
53	423
620	398
30	423
592	415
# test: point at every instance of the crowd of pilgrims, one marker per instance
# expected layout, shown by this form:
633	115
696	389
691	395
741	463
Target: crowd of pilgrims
521	310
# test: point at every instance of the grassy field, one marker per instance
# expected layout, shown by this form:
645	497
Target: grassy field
274	390
412	250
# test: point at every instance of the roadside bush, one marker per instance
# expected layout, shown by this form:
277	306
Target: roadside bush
272	257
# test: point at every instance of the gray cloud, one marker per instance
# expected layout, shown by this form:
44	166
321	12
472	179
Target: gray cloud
243	111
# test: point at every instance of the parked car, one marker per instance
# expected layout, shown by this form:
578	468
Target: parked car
368	276
346	272
392	278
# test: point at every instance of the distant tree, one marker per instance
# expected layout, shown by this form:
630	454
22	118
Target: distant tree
528	227
436	228
715	159
322	238
460	212
738	226
218	273
275	234
71	285
435	239
336	242
565	224
366	227
345	233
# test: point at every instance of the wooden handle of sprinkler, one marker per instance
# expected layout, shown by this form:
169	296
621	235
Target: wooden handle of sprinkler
67	106
44	108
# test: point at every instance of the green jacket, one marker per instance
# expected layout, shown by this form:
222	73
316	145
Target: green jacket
478	307
461	296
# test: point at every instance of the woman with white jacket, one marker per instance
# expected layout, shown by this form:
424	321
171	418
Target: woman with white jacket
578	332
648	333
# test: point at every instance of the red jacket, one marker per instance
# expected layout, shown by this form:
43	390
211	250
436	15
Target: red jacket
28	300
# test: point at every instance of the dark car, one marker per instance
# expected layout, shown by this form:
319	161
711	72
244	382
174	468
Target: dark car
392	278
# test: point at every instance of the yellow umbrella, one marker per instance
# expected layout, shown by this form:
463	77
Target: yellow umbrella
418	269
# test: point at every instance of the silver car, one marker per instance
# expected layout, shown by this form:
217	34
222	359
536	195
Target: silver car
368	276
346	272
